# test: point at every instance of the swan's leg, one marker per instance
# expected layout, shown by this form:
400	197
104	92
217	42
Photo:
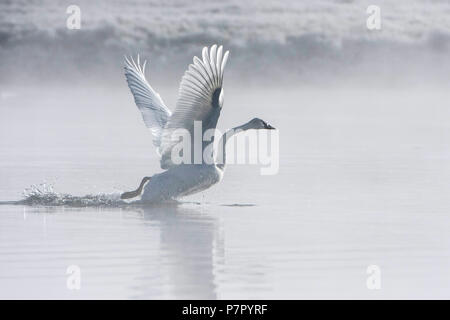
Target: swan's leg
135	193
129	194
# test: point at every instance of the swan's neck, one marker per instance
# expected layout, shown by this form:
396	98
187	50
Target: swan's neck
221	151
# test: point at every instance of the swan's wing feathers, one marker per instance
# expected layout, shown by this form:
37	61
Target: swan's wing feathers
154	112
200	99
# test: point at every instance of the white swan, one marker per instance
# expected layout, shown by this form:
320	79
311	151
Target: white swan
200	99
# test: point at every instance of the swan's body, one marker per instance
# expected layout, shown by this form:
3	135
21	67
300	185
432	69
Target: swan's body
180	181
200	99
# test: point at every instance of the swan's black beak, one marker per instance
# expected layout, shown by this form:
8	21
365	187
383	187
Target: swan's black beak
269	127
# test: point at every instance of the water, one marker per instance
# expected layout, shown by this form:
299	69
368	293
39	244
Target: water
363	180
364	151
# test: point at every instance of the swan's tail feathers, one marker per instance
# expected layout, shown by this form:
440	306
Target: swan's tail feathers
137	192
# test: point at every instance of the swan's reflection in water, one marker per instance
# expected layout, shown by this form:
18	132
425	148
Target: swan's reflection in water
191	252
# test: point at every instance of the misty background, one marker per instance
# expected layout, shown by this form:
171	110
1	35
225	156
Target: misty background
277	42
363	120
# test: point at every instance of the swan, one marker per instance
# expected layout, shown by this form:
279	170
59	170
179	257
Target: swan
201	98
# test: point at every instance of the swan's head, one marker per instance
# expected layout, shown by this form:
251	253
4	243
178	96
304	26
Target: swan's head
257	123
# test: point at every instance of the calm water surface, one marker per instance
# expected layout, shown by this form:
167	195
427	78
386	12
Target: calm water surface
364	179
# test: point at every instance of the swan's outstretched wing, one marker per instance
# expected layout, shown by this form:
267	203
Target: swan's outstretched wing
153	110
200	99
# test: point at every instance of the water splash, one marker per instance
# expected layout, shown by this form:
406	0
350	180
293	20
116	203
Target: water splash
44	194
